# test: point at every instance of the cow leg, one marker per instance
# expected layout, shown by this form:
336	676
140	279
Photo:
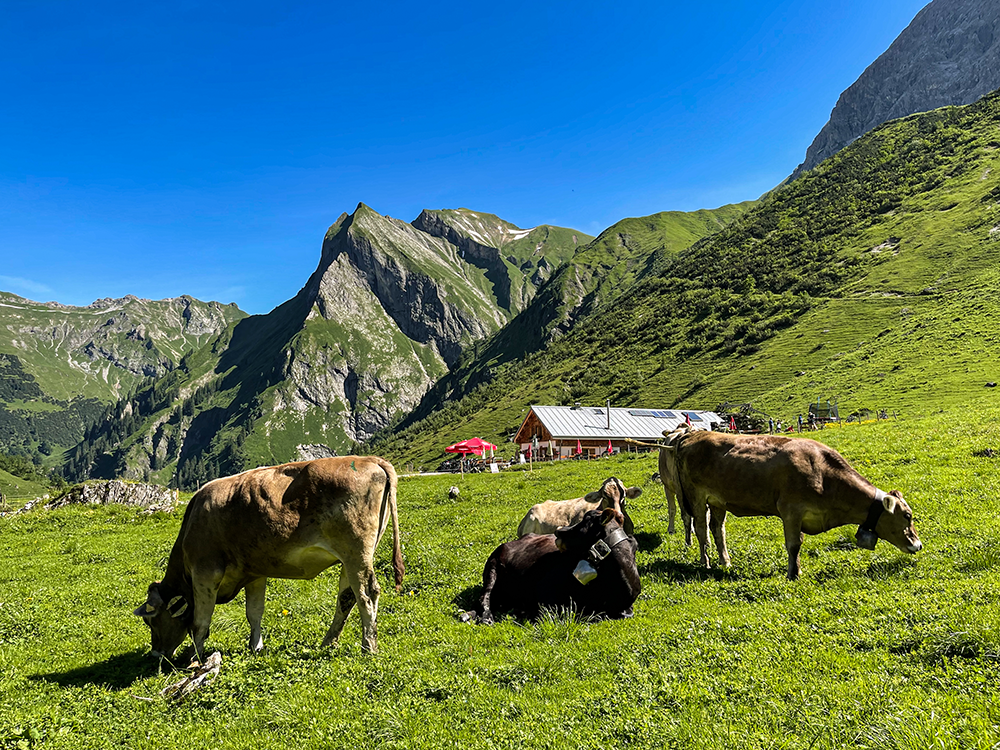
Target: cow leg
255	612
717	522
367	592
489	581
345	603
688	522
360	577
701	531
672	512
206	587
793	543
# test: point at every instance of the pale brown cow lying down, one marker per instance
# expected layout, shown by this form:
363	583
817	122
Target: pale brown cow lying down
288	521
808	485
545	518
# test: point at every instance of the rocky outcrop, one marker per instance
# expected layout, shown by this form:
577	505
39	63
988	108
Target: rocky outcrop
315	451
149	497
949	54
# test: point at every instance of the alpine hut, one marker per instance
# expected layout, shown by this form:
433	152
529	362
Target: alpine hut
567	431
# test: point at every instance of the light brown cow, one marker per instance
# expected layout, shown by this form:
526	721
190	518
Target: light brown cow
808	485
545	518
288	521
668	477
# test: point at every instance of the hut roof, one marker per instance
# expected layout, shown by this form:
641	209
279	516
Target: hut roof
572	422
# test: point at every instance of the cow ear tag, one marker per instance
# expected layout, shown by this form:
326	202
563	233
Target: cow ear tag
584	572
177	606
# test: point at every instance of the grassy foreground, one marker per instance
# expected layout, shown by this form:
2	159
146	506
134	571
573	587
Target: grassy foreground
868	649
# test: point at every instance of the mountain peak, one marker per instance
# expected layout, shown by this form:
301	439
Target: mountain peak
948	55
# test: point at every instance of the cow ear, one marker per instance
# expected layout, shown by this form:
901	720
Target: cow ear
592	497
633	492
177	606
607	515
154	602
889	501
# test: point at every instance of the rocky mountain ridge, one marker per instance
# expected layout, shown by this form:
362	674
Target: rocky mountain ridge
389	308
948	55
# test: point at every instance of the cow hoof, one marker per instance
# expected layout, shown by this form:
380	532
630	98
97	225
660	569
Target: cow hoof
469	616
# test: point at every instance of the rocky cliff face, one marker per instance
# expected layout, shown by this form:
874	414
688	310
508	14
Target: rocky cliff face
949	54
389	309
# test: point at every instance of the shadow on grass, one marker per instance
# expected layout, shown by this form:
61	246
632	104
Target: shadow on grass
468	598
116	673
676	571
648	541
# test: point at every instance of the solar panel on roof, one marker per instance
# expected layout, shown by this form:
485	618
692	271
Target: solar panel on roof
694	416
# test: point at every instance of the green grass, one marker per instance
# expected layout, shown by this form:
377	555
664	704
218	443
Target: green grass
18	491
868	649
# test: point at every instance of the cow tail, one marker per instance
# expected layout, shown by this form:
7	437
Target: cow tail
389	499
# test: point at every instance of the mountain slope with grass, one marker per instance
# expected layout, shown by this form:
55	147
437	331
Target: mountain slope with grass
597	274
388	310
871	279
60	365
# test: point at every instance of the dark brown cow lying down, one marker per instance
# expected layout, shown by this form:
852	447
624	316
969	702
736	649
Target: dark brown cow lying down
288	521
546	571
808	485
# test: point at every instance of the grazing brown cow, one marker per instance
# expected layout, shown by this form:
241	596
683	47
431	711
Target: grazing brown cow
288	521
808	485
589	567
672	492
545	518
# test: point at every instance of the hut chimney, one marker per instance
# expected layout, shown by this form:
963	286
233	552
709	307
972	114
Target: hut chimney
608	411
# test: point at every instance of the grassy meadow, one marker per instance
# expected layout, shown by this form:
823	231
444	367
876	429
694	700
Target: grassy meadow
868	649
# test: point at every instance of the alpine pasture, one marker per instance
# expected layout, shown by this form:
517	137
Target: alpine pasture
868	649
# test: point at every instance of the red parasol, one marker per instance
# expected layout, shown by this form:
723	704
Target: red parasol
579	448
473	445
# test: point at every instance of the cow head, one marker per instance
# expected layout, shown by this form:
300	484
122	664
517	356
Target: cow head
890	518
613	494
580	537
168	615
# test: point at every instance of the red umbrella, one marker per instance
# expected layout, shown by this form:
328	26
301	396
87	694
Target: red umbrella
609	447
579	448
473	445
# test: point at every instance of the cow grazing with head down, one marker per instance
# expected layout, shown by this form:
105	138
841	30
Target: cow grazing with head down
588	567
288	521
808	485
545	518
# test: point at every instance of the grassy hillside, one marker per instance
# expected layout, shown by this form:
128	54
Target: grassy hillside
874	650
61	365
871	279
597	275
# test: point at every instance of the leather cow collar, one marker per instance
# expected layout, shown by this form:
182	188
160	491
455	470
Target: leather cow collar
602	547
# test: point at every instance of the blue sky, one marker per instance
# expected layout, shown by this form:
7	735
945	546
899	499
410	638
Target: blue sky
203	148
